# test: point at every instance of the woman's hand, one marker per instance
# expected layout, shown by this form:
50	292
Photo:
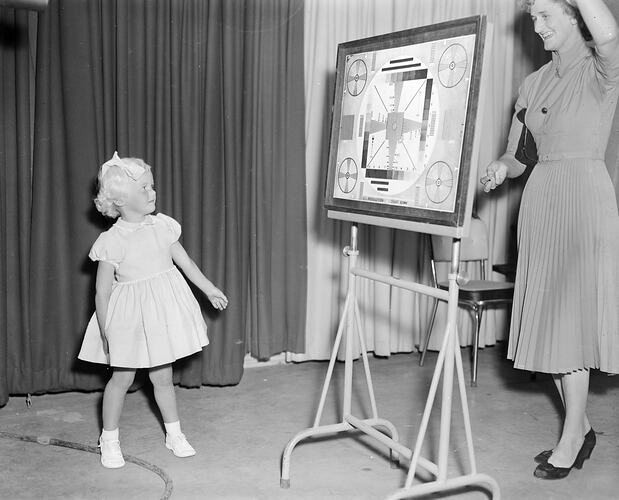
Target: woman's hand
496	173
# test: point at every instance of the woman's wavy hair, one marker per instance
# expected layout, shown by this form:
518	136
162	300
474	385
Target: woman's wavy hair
570	10
113	187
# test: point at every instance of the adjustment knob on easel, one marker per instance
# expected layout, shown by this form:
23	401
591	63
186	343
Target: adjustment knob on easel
348	251
463	278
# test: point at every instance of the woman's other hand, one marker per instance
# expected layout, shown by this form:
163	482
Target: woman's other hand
496	173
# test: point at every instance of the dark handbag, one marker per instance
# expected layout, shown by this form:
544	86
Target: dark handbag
526	152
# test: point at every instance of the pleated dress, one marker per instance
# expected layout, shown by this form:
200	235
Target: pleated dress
153	317
565	312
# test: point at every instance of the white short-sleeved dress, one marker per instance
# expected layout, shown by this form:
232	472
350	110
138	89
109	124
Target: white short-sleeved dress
153	317
565	313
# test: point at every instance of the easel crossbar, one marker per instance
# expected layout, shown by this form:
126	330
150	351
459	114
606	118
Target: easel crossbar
407	285
365	427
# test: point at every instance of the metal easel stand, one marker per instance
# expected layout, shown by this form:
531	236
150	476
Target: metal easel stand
447	355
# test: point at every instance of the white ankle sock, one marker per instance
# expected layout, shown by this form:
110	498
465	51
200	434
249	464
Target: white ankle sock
109	435
173	428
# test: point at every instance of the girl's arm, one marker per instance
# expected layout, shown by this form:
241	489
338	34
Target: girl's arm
600	22
193	272
103	291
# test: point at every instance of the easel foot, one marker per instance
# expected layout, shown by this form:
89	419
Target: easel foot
350	423
450	484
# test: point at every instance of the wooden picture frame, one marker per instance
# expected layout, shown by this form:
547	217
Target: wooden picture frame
403	128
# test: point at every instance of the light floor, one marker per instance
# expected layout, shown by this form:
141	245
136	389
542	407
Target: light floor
240	433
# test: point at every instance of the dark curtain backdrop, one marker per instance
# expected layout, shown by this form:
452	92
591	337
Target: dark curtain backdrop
16	75
208	92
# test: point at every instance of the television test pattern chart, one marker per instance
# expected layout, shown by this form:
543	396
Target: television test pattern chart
402	124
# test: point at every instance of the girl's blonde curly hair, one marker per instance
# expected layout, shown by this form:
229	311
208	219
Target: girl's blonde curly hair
113	187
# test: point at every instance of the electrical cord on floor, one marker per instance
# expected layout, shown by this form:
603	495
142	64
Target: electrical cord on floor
45	440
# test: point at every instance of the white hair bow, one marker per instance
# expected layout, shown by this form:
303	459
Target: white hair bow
131	168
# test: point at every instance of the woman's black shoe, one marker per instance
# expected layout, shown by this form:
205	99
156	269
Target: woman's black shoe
543	456
548	471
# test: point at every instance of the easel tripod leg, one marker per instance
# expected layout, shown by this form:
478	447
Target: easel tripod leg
465	408
336	346
315	430
394	457
426	414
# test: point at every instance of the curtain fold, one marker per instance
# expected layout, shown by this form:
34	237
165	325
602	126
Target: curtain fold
61	276
16	77
278	216
180	84
395	320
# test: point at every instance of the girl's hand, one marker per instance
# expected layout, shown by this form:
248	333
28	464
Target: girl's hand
217	298
496	173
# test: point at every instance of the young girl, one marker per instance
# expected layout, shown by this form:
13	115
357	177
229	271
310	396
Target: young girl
146	315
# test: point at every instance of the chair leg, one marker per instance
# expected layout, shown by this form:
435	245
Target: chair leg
427	339
478	315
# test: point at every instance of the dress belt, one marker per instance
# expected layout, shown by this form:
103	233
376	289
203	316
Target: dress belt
570	155
131	282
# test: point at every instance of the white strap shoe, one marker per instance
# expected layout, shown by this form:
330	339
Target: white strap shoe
179	445
111	455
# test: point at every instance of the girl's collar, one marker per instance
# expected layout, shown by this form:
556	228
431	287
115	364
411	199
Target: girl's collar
149	220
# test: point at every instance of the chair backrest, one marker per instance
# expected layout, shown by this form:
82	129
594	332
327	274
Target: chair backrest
473	247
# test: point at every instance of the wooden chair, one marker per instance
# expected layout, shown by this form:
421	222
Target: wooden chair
475	295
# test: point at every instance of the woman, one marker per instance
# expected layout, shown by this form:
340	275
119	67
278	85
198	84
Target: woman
565	317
